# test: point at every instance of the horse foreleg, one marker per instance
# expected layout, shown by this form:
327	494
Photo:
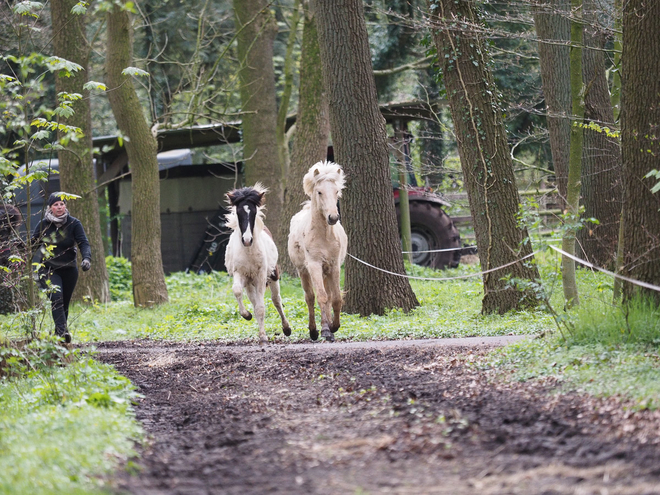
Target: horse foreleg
308	287
256	295
316	273
238	294
277	302
334	291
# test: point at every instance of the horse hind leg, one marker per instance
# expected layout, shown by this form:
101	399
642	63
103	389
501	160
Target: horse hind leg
257	298
277	302
307	286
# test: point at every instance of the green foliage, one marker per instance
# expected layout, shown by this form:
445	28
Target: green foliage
120	278
631	371
63	427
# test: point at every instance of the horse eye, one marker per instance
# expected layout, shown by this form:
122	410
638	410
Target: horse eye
320	193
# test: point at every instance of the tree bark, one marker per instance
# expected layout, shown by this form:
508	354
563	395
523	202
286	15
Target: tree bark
640	122
569	281
256	33
310	144
148	276
553	31
360	146
484	152
602	189
76	162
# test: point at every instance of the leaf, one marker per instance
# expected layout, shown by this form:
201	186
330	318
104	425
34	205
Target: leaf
40	135
64	66
134	71
27	8
80	8
90	85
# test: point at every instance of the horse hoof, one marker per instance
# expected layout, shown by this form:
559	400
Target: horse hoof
328	335
313	334
247	316
334	329
287	331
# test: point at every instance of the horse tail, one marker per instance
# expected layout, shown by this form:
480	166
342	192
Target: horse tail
275	274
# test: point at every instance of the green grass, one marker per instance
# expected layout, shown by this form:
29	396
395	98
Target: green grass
62	428
202	307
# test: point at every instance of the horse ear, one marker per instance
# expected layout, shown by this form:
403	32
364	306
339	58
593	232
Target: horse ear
338	171
316	172
230	197
261	198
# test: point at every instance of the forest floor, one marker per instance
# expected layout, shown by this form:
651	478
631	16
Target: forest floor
372	418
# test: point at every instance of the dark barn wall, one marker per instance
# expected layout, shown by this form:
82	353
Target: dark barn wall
191	198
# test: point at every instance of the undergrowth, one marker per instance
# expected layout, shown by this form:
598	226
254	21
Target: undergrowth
66	420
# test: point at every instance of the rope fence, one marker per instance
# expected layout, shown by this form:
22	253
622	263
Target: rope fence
471	275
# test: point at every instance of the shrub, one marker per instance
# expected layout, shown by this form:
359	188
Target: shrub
120	277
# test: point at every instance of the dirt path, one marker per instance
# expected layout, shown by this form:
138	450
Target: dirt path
414	418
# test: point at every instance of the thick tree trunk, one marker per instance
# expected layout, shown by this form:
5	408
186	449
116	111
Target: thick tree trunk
640	122
310	143
484	152
602	189
76	162
257	29
360	146
148	277
553	31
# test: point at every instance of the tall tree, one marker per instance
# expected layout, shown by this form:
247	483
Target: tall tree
640	124
256	30
360	145
553	31
310	142
575	159
76	161
601	156
484	152
148	276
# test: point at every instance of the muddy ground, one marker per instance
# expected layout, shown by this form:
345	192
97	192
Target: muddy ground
337	419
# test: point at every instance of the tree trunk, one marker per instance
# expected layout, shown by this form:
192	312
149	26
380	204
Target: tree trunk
601	156
575	160
148	277
553	31
640	121
360	146
76	162
484	153
256	33
310	143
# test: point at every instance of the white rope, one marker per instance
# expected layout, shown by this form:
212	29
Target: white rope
590	265
438	250
444	278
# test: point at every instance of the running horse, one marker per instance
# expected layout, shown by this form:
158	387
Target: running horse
251	256
317	245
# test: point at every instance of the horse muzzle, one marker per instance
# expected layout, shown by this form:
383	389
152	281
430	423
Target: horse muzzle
333	219
247	242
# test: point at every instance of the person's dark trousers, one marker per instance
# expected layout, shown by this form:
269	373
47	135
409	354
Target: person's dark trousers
63	282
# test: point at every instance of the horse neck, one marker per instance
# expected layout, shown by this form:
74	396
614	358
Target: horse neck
319	220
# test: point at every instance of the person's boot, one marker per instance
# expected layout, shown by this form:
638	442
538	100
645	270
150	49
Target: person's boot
64	334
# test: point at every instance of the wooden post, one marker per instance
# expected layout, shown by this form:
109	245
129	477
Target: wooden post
404	203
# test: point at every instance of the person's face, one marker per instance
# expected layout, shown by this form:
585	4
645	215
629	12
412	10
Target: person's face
58	208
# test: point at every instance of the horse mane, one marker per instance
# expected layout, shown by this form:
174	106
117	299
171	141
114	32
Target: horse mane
323	171
255	195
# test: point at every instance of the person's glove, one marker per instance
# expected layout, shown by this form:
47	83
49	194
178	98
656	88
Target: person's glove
85	265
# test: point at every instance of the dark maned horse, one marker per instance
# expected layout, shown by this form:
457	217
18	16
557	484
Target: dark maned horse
251	256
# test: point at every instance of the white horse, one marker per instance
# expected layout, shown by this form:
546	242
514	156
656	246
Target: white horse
251	256
317	245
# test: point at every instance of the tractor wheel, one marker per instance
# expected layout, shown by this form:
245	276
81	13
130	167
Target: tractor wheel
431	229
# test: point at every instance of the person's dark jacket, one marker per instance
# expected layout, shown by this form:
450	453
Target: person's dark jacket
65	239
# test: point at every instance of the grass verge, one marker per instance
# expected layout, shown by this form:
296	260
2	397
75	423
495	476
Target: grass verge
62	427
